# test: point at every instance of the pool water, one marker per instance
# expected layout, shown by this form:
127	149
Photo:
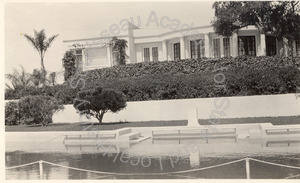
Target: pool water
155	159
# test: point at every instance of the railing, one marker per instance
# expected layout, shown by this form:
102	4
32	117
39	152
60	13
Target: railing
280	131
91	137
91	146
247	161
202	132
205	139
286	143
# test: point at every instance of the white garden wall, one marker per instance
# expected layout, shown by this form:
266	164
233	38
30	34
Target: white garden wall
238	107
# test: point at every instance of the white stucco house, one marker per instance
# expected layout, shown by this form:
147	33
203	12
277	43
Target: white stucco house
193	42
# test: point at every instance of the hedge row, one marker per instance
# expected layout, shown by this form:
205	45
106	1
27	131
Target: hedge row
238	82
241	82
190	66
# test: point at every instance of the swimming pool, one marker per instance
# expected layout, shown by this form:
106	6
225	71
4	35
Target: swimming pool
153	159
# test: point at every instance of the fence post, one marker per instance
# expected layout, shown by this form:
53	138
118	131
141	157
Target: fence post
247	168
41	169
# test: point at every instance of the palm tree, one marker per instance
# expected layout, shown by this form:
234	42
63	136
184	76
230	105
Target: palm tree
19	80
119	45
41	44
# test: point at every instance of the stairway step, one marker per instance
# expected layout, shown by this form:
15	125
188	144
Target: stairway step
129	136
123	131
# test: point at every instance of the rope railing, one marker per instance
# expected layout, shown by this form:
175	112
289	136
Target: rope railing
209	167
275	164
163	173
27	164
292	176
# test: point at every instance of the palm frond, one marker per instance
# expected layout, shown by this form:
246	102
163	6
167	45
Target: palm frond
49	41
40	38
32	41
19	79
7	86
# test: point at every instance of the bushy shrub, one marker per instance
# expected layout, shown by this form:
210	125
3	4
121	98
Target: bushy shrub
69	64
12	94
263	81
96	102
38	109
12	115
190	66
187	79
239	82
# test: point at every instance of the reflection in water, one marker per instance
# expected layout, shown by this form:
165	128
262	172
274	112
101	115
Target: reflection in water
156	156
107	164
283	143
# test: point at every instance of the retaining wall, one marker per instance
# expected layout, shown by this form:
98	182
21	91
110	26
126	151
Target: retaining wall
226	107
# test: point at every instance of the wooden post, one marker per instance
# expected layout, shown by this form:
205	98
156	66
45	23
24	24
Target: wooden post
41	169
247	168
152	137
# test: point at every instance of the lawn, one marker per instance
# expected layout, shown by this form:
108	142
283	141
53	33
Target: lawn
113	126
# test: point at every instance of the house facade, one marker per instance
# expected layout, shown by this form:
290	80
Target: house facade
196	42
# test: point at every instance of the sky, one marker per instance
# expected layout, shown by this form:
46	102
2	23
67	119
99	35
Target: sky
83	20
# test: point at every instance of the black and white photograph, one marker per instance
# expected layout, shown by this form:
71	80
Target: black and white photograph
150	90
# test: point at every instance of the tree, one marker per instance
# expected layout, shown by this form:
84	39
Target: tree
69	64
280	18
120	46
41	44
98	101
19	80
231	15
52	78
285	19
38	109
37	78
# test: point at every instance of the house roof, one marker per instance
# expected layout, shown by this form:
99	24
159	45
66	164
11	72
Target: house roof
144	33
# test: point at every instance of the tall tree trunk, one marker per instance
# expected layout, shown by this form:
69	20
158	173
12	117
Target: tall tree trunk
100	116
43	70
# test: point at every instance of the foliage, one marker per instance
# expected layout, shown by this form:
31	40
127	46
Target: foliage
63	92
184	79
240	82
38	109
69	64
19	80
11	94
280	18
189	66
263	81
12	115
96	102
41	44
37	78
285	19
52	78
120	46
